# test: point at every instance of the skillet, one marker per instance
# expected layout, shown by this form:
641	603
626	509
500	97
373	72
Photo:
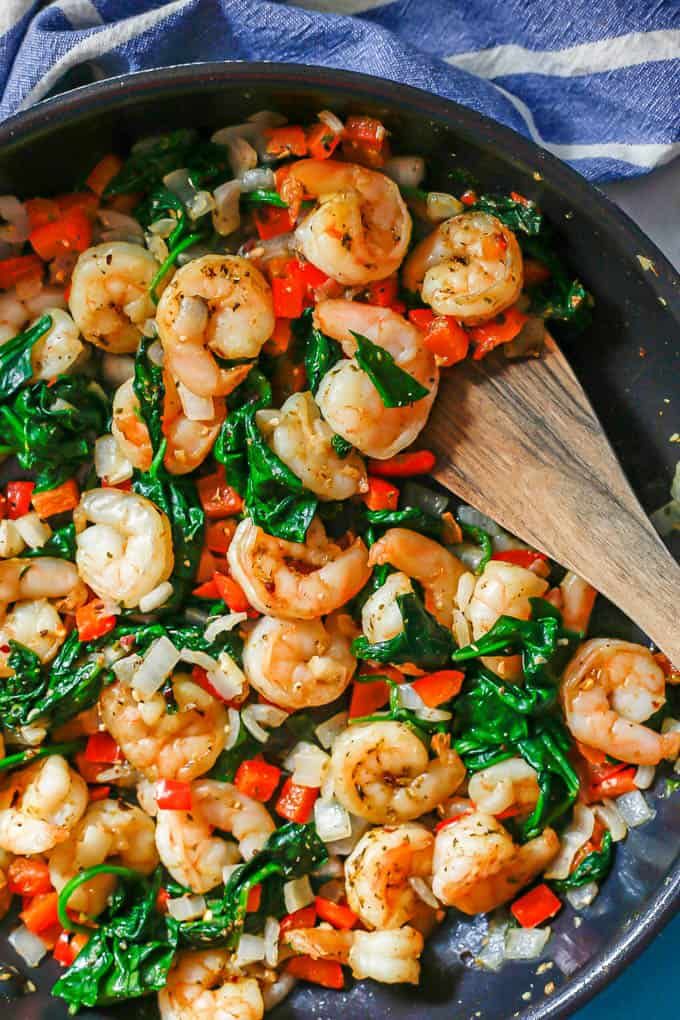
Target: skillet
629	363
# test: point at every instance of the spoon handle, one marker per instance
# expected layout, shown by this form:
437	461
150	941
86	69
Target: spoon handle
521	442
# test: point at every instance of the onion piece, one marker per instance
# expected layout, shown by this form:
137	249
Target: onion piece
272	929
343	847
125	669
261	177
406	171
634	809
327	731
525	943
219	624
279	990
575	835
110	463
423	891
644	777
475	518
186	908
34	531
198	658
17	226
156	598
308	764
11	542
332	821
30	948
195	408
241	155
125	227
583	896
298	893
158	663
610	816
250	950
440	206
253	715
233	728
226	215
409	698
469	554
332	121
492	954
433	714
228	679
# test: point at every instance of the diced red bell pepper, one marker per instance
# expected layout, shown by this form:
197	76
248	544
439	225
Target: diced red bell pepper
288	294
232	593
103	173
272	221
367	130
58	500
436	688
520	557
447	340
218	535
208	590
18	495
254	899
289	140
217	497
404	465
381	495
99	792
28	876
41	913
71	232
279	341
20	267
173	795
319	972
337	914
296	802
93	620
535	272
102	748
63	952
385	292
305	917
500	330
536	906
368	696
321	141
41	211
469	197
257	779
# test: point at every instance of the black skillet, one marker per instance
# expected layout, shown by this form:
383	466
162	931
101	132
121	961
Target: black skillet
629	364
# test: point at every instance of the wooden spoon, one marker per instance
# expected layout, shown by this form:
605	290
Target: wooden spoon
520	441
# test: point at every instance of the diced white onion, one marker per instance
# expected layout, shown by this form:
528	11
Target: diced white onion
110	463
126	668
11	542
198	658
644	777
219	624
441	206
157	246
227	212
423	891
196	408
466	586
469	554
327	731
179	183
343	847
267	119
273	248
433	714
186	908
17	226
250	950
202	203
163	227
575	835
406	171
271	941
119	226
156	598
158	663
525	943
253	715
469	515
276	992
34	531
228	870
610	816
670	725
229	680
156	353
492	953
298	893
29	736
308	763
332	121
30	948
225	135
261	177
409	698
462	631
242	156
634	809
332	821
583	896
233	728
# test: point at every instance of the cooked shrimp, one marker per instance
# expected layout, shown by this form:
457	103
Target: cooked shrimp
510	783
425	560
13	316
349	401
391	957
39	806
381	617
188	441
295	581
206	985
188	849
226	808
43	578
503	589
217	306
179	745
111	831
5	892
578	599
37	625
378	870
609	689
382	772
477	867
302	439
300	663
110	298
469	267
361	228
57	350
128	551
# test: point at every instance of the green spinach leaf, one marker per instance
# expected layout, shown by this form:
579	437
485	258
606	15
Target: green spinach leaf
593	868
396	387
15	357
61	544
318	351
152	159
423	641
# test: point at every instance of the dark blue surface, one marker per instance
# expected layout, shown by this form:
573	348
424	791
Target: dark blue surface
648	989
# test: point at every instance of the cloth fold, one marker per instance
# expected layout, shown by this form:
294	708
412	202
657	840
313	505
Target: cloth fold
597	82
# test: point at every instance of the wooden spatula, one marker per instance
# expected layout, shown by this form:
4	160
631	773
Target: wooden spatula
520	441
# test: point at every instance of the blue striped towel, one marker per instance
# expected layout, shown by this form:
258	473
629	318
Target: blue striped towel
597	82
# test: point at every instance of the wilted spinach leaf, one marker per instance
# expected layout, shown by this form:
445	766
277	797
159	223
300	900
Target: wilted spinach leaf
423	641
396	387
15	357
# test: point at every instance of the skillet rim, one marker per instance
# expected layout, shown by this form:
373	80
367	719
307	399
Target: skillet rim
51	114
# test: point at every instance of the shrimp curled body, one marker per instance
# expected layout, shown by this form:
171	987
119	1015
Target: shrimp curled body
40	805
377	874
206	985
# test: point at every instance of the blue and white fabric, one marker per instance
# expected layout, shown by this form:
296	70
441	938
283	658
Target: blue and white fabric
597	82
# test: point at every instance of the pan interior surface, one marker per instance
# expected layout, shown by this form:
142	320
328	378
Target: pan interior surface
626	361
